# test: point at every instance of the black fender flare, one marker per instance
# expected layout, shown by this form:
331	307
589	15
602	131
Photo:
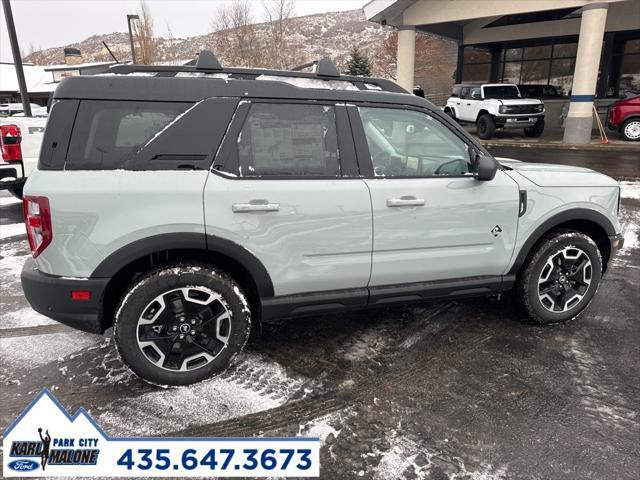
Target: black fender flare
581	214
122	257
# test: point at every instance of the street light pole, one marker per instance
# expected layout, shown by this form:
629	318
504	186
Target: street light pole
17	59
133	50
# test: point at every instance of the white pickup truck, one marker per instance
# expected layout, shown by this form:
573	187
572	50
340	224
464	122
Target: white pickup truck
495	105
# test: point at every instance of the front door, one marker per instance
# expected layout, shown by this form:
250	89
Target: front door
286	188
432	219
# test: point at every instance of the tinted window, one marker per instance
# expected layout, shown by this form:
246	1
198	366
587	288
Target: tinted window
107	134
406	143
501	91
289	139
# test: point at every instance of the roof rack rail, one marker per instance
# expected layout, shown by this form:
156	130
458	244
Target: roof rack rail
207	63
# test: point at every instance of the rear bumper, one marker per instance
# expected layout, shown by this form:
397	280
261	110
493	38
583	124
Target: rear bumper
51	296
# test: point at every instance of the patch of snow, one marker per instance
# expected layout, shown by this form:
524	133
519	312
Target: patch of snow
630	190
303	82
253	385
18	355
12	230
24	317
9	201
320	427
403	455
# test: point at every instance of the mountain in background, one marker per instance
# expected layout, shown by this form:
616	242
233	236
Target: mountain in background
329	35
325	35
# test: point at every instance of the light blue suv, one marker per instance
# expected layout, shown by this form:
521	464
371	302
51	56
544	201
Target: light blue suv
179	205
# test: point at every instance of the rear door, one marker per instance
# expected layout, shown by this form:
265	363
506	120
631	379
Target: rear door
432	219
285	186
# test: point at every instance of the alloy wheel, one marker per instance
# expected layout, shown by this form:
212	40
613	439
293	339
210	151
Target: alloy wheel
184	328
564	279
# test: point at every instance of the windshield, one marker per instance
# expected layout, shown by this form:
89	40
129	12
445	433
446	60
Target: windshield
501	91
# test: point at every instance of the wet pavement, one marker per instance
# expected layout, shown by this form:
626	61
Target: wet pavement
446	390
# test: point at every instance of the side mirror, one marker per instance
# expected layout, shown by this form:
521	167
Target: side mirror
486	168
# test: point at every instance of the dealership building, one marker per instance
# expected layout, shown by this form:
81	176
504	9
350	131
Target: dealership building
588	50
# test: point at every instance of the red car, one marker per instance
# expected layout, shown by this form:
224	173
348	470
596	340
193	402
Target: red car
624	117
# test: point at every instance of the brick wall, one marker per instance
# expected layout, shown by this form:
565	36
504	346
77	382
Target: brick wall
436	60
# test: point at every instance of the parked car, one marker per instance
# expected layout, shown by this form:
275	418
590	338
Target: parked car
624	117
182	205
495	105
8	109
20	139
539	91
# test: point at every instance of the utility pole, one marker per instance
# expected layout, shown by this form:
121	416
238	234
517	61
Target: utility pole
133	50
17	59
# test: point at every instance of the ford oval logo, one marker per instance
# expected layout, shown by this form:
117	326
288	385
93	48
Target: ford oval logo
23	465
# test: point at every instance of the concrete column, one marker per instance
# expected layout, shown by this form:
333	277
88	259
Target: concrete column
406	56
585	77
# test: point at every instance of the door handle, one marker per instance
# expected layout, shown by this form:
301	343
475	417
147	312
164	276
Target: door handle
405	202
255	206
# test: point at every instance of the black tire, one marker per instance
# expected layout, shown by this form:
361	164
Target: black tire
536	298
185	287
451	114
631	130
536	130
486	126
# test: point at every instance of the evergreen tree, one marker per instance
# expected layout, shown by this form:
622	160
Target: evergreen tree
358	63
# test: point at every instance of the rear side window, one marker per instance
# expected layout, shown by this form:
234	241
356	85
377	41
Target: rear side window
107	134
289	140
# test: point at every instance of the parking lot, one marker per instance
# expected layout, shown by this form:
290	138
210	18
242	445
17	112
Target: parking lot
447	390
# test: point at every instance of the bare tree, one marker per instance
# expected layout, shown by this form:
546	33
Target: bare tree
147	48
37	57
278	14
170	52
235	38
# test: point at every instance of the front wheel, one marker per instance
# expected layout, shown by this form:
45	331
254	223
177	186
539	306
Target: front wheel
486	126
560	277
631	130
181	324
536	130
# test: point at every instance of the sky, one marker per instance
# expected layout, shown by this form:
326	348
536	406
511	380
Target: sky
54	23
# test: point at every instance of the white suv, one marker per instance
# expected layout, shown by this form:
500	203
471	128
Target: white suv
495	105
183	205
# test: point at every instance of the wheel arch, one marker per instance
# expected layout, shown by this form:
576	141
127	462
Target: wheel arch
124	265
589	222
632	116
482	112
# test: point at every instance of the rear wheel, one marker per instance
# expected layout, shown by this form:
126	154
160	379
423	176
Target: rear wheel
560	277
536	130
181	324
486	126
631	130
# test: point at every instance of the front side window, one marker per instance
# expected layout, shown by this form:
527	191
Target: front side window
107	134
407	143
289	140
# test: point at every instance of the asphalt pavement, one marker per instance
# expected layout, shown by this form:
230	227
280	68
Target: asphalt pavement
446	390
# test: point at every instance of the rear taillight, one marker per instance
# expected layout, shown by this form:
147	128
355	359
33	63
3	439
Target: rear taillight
37	219
10	139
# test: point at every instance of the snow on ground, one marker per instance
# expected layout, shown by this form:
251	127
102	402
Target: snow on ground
255	384
9	201
321	427
630	190
12	230
18	354
406	455
24	317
